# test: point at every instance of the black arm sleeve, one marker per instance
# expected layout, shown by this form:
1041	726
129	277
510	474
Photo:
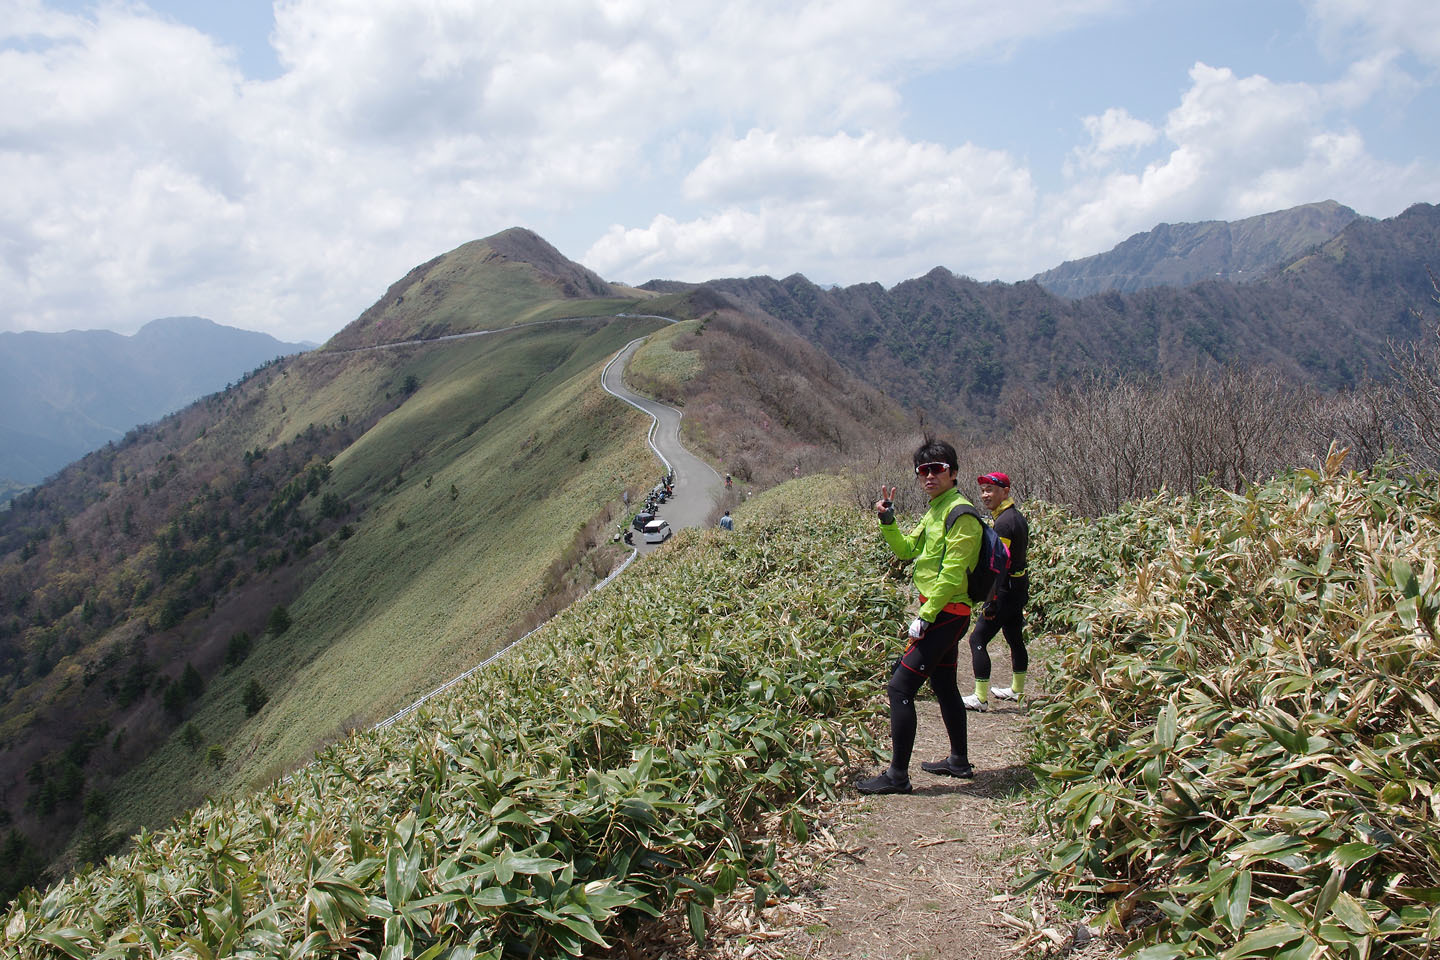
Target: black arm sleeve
1011	526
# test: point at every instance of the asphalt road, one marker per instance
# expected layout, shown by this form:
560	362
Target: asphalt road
697	485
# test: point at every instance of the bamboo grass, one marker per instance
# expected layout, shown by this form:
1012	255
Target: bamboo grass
1243	756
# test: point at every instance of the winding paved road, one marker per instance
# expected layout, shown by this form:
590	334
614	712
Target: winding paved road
697	485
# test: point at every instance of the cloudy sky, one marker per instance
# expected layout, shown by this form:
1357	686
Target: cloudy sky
277	166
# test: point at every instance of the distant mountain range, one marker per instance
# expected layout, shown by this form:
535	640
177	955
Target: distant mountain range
1179	254
965	352
65	394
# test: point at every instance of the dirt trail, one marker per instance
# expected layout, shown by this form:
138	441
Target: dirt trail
924	869
923	876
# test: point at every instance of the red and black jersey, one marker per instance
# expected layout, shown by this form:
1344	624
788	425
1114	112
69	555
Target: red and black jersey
1010	524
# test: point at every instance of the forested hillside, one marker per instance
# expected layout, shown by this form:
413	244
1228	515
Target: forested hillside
970	352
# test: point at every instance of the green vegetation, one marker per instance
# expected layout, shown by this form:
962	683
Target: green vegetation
1242	754
560	309
668	360
620	763
284	495
503	421
1238	755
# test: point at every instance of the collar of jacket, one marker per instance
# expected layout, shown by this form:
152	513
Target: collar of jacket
944	498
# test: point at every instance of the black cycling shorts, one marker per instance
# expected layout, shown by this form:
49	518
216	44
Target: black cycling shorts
938	648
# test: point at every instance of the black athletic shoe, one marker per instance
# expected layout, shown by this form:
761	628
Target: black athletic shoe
884	783
949	768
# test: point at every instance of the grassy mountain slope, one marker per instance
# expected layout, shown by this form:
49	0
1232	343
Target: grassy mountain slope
966	351
408	507
512	277
626	754
1177	254
445	566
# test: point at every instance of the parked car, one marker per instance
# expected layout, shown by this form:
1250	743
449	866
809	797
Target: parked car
657	531
642	518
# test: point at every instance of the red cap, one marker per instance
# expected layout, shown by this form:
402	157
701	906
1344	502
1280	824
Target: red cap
997	479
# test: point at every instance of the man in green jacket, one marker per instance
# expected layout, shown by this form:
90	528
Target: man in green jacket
943	561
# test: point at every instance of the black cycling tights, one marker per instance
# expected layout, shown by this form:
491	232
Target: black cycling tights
984	632
939	644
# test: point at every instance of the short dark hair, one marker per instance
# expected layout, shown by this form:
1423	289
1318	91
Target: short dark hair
937	451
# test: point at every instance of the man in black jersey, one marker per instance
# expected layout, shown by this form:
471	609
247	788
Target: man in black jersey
1005	610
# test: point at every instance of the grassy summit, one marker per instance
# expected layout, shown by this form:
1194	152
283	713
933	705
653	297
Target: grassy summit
403	509
513	277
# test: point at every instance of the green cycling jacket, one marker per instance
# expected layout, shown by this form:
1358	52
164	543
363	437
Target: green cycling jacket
942	561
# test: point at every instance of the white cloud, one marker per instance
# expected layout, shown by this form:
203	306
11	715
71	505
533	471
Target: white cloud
866	207
1113	132
1240	146
879	207
157	179
1409	25
742	137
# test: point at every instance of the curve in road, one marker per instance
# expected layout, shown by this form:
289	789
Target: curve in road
697	489
697	485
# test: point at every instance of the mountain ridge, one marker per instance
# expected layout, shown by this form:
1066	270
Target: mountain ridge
968	351
404	509
1178	254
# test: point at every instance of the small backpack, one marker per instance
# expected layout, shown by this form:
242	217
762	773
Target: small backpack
994	562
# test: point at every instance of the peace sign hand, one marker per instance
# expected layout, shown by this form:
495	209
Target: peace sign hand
885	506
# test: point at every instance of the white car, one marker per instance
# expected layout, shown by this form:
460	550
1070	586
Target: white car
657	531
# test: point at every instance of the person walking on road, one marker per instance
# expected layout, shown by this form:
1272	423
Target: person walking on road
945	549
1005	610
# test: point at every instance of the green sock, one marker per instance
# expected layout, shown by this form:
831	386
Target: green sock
982	690
1018	684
